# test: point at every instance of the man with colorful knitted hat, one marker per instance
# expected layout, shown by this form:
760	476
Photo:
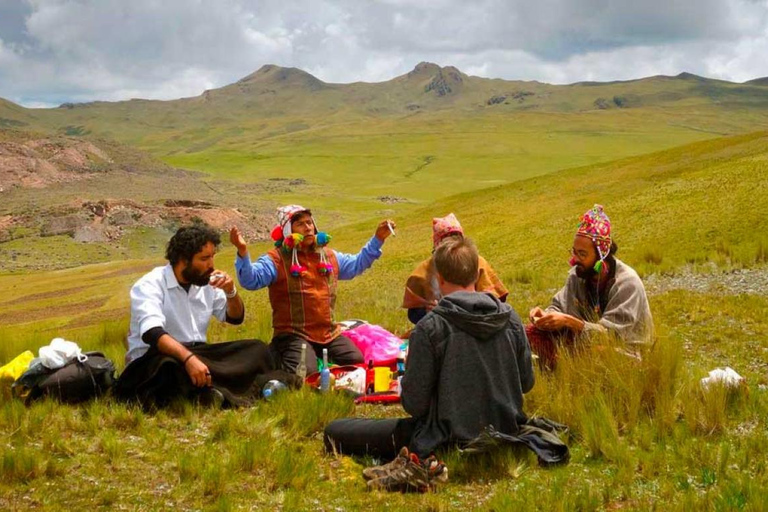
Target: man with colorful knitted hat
302	274
601	294
422	289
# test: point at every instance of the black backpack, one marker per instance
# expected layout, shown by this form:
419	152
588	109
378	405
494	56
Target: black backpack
73	383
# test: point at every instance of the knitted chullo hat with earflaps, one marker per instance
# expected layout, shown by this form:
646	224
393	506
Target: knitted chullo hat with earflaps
284	237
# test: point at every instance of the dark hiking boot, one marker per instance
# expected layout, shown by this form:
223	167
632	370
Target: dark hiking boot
436	470
408	474
410	477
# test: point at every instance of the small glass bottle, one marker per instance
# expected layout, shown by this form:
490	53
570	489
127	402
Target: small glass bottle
301	370
325	374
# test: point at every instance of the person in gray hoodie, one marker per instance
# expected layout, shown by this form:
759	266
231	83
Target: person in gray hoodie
468	366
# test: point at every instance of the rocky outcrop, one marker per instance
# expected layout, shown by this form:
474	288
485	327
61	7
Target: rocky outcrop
602	103
109	220
392	199
42	162
446	81
496	100
519	96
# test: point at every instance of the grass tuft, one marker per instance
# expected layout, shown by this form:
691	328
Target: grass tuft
21	464
653	256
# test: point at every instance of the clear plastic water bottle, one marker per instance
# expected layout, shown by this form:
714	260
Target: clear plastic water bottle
325	374
272	388
401	356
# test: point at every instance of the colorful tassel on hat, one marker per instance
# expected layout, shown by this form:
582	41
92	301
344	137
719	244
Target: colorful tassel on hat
298	270
324	267
293	241
277	236
322	239
599	266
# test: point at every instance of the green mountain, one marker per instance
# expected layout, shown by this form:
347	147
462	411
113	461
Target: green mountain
13	116
304	102
361	150
758	81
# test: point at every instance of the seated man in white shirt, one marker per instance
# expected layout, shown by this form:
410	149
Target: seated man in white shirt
171	307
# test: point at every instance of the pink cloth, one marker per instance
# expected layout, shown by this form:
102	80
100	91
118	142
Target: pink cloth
376	344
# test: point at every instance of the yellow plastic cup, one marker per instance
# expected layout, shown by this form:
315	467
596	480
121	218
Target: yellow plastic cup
381	379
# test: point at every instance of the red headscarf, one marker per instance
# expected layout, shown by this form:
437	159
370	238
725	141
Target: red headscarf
444	227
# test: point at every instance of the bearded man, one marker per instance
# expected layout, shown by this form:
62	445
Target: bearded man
171	306
602	294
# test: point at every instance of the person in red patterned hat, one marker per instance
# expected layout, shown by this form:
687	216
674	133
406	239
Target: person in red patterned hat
601	294
302	275
422	290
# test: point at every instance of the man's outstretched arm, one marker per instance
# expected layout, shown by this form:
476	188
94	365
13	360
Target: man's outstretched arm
352	265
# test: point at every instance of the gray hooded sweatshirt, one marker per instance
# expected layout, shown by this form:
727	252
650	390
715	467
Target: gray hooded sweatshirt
468	365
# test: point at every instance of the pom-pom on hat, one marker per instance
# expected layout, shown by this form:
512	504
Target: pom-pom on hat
322	239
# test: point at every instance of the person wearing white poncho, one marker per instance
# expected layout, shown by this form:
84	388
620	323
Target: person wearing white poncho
601	295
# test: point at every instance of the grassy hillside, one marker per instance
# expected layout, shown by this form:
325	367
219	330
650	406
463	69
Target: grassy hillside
364	150
692	205
348	166
641	434
402	139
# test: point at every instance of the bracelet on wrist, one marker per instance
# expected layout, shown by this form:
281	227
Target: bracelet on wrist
184	363
231	295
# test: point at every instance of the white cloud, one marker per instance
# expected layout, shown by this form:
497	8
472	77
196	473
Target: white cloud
741	61
7	57
79	50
